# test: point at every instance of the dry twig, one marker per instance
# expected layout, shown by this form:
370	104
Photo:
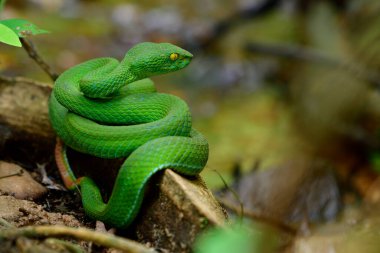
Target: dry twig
19	173
32	52
315	56
103	239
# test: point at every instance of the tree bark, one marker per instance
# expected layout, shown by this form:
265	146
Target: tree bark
25	132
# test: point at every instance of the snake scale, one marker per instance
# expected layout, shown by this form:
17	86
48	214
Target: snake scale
110	109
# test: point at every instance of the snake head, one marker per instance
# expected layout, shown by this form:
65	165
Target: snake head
149	59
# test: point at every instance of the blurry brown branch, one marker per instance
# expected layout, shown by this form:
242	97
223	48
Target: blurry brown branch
20	79
314	56
261	218
32	52
100	238
223	26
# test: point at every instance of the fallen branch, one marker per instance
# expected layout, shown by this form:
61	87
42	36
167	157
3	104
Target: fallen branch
261	218
71	247
100	238
315	56
20	79
25	132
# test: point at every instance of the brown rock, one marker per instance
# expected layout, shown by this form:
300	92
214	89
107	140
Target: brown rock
17	182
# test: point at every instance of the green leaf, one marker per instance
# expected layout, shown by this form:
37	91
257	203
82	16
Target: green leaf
8	36
22	27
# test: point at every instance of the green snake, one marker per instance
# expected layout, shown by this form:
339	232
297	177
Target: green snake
110	109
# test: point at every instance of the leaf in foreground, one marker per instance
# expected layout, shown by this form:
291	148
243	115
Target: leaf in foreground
8	36
245	238
22	27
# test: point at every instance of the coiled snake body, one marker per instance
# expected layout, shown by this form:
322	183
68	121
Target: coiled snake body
109	109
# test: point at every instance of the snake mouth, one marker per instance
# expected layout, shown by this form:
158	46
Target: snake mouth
180	64
186	55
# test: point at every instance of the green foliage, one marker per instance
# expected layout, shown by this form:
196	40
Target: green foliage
8	36
13	29
22	27
246	238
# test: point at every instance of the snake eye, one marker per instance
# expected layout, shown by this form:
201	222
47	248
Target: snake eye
174	56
